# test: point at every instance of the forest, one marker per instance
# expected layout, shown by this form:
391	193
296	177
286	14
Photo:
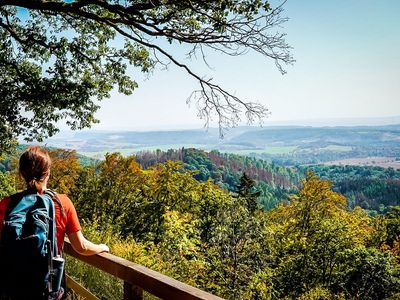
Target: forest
374	189
211	230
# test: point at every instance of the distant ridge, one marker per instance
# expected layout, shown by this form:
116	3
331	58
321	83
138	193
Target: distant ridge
377	121
326	122
348	141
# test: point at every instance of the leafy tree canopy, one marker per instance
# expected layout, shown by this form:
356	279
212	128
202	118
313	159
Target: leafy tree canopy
58	57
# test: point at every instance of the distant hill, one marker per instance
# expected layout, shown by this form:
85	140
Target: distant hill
285	145
322	136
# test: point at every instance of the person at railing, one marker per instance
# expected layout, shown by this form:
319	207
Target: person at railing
34	167
38	282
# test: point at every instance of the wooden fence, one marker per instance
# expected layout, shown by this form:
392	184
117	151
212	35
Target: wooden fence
136	279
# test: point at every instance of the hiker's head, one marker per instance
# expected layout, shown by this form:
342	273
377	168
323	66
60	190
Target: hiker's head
34	167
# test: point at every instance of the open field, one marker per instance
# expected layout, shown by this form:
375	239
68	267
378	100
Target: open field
337	148
380	161
266	150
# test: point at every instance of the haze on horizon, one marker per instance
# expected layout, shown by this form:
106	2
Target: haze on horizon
347	67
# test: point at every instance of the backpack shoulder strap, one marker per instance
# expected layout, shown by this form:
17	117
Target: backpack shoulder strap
52	226
53	195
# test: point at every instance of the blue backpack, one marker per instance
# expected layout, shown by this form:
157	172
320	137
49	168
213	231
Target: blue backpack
28	248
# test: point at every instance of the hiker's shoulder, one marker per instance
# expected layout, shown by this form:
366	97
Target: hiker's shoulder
3	208
4	201
65	200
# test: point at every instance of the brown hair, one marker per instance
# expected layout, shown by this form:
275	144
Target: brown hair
34	166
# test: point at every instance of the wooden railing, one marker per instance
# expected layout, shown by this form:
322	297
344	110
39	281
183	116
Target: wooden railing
138	278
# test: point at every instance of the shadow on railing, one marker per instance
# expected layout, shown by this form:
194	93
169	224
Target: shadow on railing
136	279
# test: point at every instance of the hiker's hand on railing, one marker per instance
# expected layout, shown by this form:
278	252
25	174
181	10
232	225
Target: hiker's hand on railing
85	247
105	248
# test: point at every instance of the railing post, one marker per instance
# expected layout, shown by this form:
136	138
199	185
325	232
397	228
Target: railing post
132	292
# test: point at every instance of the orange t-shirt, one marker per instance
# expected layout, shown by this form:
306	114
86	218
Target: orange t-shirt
66	223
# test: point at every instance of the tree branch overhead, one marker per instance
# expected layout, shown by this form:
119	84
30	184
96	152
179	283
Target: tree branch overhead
62	55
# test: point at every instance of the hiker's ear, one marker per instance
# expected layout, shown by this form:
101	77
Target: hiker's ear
47	177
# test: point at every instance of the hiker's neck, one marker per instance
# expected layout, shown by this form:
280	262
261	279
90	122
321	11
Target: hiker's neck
42	189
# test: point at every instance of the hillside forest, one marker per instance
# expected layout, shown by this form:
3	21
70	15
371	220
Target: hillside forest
374	189
238	227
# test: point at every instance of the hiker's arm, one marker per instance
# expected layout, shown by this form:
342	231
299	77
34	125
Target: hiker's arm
85	247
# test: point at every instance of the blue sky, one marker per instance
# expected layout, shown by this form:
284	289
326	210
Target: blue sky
347	66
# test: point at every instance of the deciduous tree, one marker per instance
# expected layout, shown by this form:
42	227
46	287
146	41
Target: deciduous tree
65	169
311	233
58	56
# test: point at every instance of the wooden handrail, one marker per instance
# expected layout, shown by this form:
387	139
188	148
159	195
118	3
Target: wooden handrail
138	278
80	290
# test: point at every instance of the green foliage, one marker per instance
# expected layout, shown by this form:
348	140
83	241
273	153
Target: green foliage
372	188
392	222
237	251
54	75
203	236
212	200
246	190
274	183
368	274
310	247
7	184
320	293
387	236
312	233
136	200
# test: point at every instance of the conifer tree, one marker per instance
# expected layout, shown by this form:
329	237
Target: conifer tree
246	189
